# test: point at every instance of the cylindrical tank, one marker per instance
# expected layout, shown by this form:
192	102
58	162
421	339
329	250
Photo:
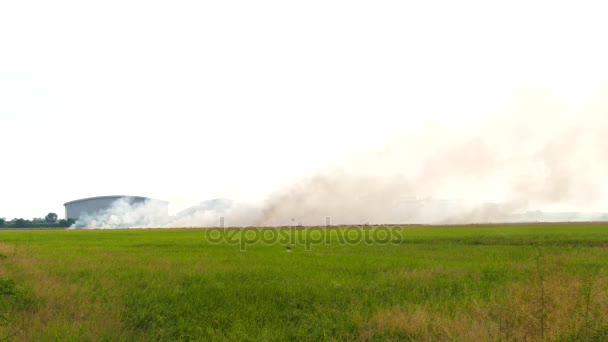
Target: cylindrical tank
94	205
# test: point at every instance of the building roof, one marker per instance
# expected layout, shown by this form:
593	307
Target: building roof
109	197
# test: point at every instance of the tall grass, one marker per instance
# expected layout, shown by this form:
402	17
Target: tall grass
494	283
541	285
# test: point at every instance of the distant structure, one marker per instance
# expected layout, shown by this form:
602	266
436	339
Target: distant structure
217	205
94	205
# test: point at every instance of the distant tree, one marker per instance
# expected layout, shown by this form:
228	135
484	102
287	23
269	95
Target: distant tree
66	223
2	221
20	223
51	218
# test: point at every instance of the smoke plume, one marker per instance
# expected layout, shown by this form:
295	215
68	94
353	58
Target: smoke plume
518	165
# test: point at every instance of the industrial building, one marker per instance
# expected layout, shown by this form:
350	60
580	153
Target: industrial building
216	205
95	205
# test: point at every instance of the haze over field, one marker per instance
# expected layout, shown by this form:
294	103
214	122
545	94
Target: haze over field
493	172
328	108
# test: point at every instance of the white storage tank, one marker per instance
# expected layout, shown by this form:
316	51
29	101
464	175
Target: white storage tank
94	205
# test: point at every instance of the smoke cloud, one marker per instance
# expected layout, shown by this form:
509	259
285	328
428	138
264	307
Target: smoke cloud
519	165
126	213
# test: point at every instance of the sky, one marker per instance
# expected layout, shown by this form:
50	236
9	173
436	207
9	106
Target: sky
190	100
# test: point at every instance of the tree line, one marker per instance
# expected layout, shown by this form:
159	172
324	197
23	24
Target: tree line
49	221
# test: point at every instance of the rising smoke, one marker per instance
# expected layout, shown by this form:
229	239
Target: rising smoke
126	213
536	156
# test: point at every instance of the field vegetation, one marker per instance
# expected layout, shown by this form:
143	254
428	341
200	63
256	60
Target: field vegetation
468	283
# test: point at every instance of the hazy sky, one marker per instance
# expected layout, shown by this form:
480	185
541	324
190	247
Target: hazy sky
190	100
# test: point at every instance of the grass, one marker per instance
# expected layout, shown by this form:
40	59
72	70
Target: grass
493	283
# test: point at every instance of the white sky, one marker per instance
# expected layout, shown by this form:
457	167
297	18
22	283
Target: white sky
190	100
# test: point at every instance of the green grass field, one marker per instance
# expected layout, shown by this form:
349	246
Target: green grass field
537	282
